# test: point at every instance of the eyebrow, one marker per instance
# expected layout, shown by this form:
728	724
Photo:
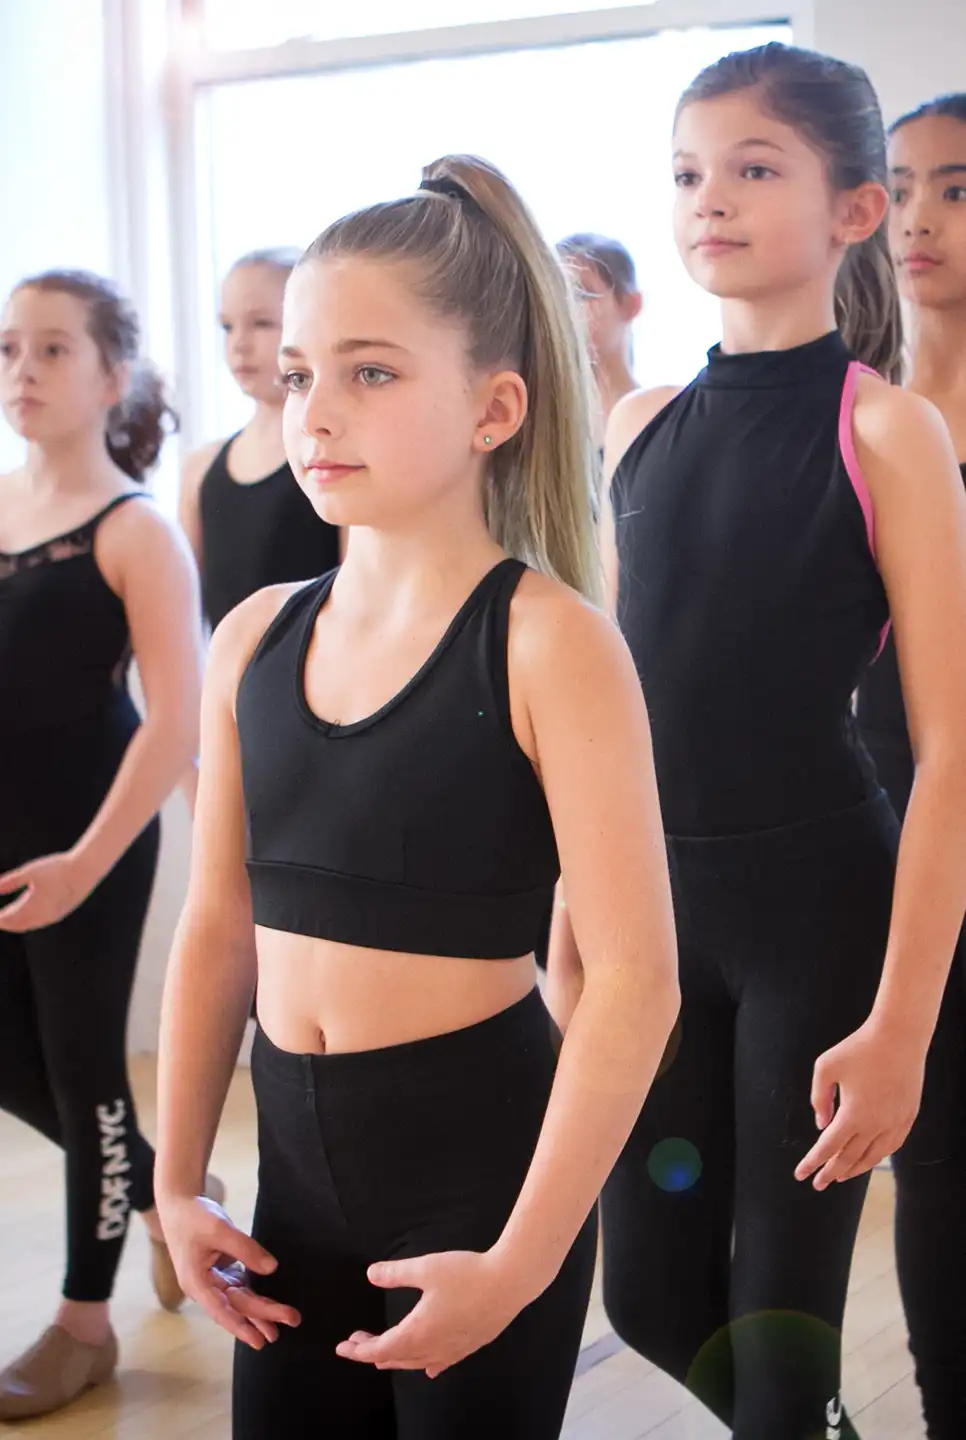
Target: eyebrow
344	347
742	145
64	334
953	168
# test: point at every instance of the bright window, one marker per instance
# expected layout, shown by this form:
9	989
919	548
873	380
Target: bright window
248	24
583	131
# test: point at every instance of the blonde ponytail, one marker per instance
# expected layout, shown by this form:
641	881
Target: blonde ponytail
480	255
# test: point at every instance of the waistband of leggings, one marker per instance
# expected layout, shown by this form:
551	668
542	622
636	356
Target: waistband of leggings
873	819
508	1037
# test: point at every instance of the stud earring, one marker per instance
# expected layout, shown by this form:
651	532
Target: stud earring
487	439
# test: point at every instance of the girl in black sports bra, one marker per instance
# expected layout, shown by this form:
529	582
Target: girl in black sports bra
928	238
403	755
90	574
248	522
768	519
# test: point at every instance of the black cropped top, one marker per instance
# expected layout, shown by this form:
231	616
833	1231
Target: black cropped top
421	828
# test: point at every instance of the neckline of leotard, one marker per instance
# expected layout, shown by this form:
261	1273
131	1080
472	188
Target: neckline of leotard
775	369
76	530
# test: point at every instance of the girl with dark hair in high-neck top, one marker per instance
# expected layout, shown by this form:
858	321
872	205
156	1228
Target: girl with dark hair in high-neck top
90	576
928	238
769	519
248	522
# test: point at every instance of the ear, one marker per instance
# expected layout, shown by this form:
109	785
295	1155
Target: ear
631	305
504	404
861	213
118	383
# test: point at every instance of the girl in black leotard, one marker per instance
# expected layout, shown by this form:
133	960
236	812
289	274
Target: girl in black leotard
90	574
928	237
393	758
248	522
768	519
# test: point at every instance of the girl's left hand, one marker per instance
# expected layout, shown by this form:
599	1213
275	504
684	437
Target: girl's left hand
53	886
468	1299
878	1075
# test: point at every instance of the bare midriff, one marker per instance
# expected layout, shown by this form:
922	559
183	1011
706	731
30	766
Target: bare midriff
316	996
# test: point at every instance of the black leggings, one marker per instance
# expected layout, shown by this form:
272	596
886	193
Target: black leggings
64	996
720	1266
930	1172
383	1154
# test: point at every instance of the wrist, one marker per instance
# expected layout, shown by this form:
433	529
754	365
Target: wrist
86	866
900	1026
525	1273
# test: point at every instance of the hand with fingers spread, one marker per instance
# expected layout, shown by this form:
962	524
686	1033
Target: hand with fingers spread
52	887
212	1258
468	1299
876	1075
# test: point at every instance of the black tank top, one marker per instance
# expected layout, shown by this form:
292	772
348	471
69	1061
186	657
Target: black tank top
64	642
254	535
422	828
66	717
749	593
881	711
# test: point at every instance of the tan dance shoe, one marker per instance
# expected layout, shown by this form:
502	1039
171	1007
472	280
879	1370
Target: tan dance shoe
164	1277
53	1372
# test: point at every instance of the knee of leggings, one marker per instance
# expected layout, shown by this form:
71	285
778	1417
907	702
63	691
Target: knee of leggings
645	1327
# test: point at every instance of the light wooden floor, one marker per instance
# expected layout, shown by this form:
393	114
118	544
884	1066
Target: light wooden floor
174	1379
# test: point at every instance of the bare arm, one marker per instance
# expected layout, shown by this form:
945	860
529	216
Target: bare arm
145	562
628	418
920	513
207	1000
593	749
211	974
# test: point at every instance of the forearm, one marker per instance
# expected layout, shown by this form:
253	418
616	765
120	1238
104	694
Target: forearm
207	1001
612	1049
153	763
929	903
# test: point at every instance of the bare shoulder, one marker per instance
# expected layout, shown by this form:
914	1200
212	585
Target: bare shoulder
555	631
198	463
630	416
237	636
900	437
886	414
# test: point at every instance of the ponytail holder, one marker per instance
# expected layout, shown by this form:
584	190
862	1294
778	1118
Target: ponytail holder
451	188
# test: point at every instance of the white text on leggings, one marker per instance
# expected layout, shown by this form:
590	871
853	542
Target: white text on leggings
114	1171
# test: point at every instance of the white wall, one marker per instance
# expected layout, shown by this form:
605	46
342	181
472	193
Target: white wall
912	49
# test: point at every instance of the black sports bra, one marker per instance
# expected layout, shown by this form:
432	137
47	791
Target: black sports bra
421	828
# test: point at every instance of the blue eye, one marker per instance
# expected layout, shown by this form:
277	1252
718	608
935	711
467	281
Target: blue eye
376	376
292	380
685	179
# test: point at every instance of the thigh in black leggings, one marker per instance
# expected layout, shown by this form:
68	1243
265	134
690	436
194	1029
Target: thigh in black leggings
64	997
930	1172
389	1154
720	1266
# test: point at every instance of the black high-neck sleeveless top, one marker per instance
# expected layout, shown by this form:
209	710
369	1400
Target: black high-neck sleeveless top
265	533
421	828
749	594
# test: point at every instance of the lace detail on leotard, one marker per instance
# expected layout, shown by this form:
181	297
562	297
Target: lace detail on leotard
79	541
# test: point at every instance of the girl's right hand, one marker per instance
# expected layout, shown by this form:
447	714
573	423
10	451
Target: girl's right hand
211	1257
